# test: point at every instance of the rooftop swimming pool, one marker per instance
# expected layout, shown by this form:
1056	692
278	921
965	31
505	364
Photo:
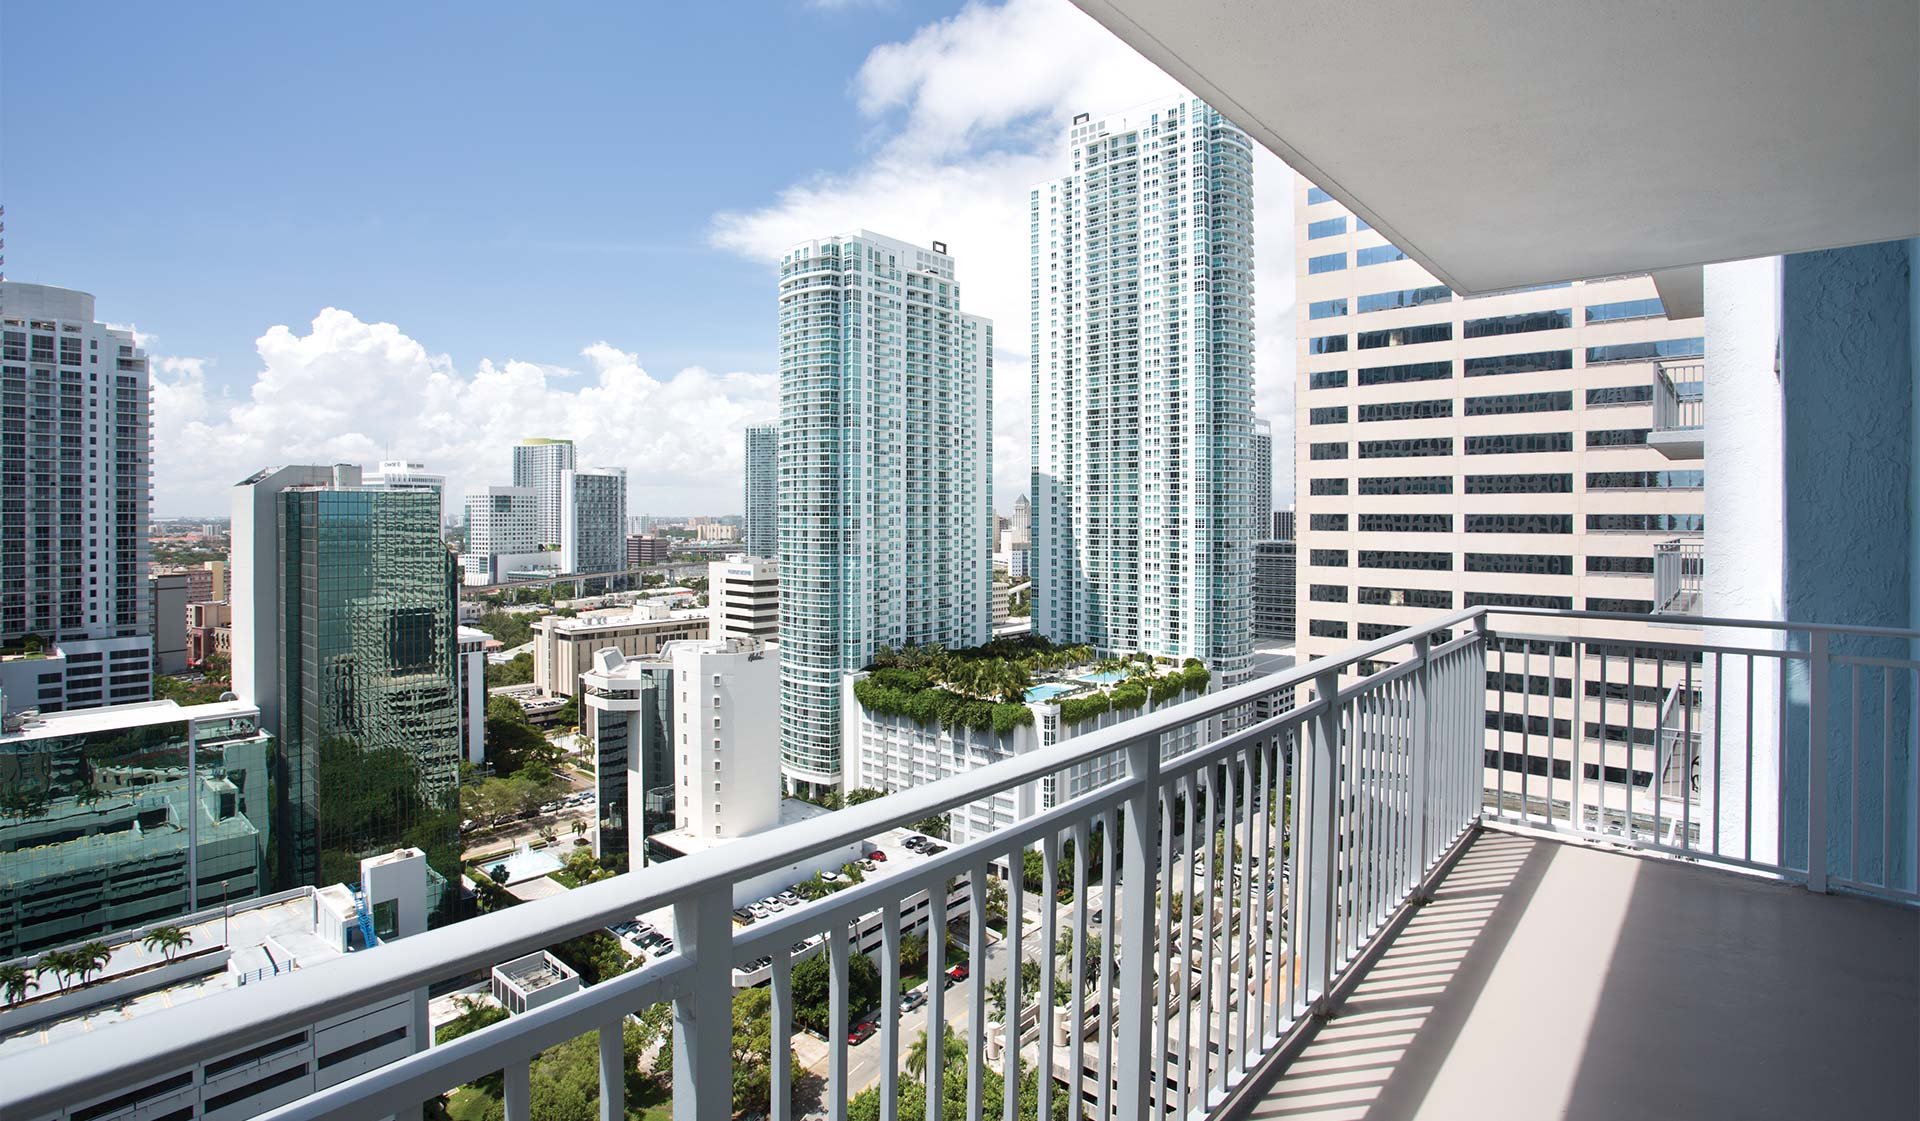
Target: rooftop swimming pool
1048	692
1105	677
528	864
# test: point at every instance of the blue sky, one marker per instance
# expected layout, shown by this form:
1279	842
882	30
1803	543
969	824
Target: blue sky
525	217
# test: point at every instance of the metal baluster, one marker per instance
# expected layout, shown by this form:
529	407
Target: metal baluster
1746	819
1819	697
519	1089
1188	901
1526	730
1049	922
1109	900
1687	761
1853	782
838	968
1318	857
1077	1006
1208	893
890	1010
1577	731
1163	1031
1010	1023
1633	705
702	1028
1229	868
781	1060
1500	766
1886	778
1600	748
1134	1032
613	1070
936	1028
976	986
1655	787
1257	990
1243	976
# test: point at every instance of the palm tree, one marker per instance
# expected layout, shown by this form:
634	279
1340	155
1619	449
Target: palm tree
90	959
953	1048
57	964
169	940
15	983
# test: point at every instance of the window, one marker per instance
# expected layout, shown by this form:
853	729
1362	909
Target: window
1620	606
1412	371
1407	410
1332	414
1336	450
1538	684
1326	309
1406	449
1646	523
1328	523
1328	262
1327	379
1393	558
1616	437
1521	564
1407	484
1519	523
1327	558
1503	404
1519	484
1406	523
1517	324
1645	480
1326	344
1406	336
1316	195
1407	597
1326	227
1405	297
1620	566
1519	599
1619	395
1327	628
1625	309
1642	352
1328	593
1323	487
1515	443
1378	255
1529	363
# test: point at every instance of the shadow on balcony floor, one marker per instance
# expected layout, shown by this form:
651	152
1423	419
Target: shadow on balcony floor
1558	981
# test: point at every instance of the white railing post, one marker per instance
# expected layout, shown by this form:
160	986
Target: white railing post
703	1015
1477	764
1422	740
1322	779
613	1071
1817	700
1134	1062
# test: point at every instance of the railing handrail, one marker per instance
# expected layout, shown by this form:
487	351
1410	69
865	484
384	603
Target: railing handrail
1712	621
152	1046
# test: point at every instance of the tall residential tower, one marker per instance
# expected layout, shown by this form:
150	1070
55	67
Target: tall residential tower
1142	297
538	463
763	490
886	455
593	519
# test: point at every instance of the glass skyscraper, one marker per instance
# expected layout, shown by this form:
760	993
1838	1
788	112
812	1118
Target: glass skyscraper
886	462
353	594
1142	411
763	490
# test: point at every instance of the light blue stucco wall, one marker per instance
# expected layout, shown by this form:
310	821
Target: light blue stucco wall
1848	358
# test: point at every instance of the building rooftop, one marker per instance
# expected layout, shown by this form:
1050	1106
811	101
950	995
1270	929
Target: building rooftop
140	714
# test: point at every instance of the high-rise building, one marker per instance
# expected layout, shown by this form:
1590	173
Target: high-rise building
538	462
1020	529
1283	525
743	597
1273	589
75	468
345	636
1262	475
503	533
593	518
168	596
1142	343
402	474
763	490
886	473
1490	451
626	714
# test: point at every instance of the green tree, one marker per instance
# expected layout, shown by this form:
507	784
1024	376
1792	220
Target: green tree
90	958
169	940
15	982
595	956
812	988
1029	989
863	794
517	670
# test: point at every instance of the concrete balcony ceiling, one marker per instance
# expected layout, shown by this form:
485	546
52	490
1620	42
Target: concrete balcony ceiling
1508	144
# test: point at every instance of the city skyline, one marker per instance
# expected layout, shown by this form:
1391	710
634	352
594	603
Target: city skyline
418	366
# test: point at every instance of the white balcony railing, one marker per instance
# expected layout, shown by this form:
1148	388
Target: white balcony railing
1678	569
1309	835
1679	396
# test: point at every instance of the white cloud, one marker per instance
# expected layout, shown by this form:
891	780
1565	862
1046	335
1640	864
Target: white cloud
968	114
351	391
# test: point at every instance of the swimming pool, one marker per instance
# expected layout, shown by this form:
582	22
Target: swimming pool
1105	677
528	864
1048	692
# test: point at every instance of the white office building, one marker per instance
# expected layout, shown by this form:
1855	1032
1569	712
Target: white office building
593	519
471	685
403	474
75	469
503	534
886	468
1142	297
763	490
743	597
538	463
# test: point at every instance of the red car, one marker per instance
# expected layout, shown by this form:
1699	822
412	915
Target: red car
861	1032
876	854
956	975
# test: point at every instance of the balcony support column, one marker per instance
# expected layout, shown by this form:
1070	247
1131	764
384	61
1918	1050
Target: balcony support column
1819	699
1139	871
1318	787
703	1018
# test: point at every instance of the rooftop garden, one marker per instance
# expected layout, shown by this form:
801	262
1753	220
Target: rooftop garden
988	687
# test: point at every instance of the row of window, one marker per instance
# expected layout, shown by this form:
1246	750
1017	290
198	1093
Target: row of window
1405	336
1507	564
1549	483
1517	324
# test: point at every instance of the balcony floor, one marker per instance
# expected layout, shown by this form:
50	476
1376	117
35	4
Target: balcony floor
1552	980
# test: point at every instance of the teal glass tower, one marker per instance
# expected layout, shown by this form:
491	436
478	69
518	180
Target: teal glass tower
885	469
353	593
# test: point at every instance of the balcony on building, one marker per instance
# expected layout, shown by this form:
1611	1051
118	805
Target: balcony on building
1679	410
1679	566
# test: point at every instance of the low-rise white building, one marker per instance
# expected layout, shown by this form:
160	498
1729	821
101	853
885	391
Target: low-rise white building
743	597
471	668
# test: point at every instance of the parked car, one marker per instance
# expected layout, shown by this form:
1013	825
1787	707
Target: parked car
743	914
664	948
860	1032
800	947
933	849
956	975
789	897
876	854
914	841
913	1000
